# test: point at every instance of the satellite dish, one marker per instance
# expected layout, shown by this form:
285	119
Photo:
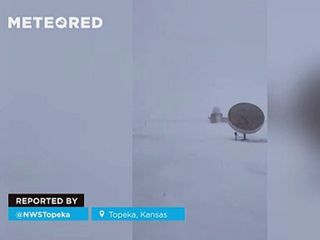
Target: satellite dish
245	118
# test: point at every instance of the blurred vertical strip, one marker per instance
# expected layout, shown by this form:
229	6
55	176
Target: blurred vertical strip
294	127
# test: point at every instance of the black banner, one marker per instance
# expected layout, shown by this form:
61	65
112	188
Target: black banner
46	200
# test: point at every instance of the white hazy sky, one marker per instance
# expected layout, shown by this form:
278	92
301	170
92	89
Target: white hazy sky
189	57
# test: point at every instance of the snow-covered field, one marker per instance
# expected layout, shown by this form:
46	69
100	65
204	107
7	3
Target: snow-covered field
198	165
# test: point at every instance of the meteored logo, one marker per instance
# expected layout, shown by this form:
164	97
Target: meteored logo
37	22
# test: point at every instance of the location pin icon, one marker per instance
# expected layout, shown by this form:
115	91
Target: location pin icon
101	213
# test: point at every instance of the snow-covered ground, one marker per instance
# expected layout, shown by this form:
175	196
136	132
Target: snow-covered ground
198	165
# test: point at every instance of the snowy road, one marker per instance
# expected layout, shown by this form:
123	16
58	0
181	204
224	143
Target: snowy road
222	183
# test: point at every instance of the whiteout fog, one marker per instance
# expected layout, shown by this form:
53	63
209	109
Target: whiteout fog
54	22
